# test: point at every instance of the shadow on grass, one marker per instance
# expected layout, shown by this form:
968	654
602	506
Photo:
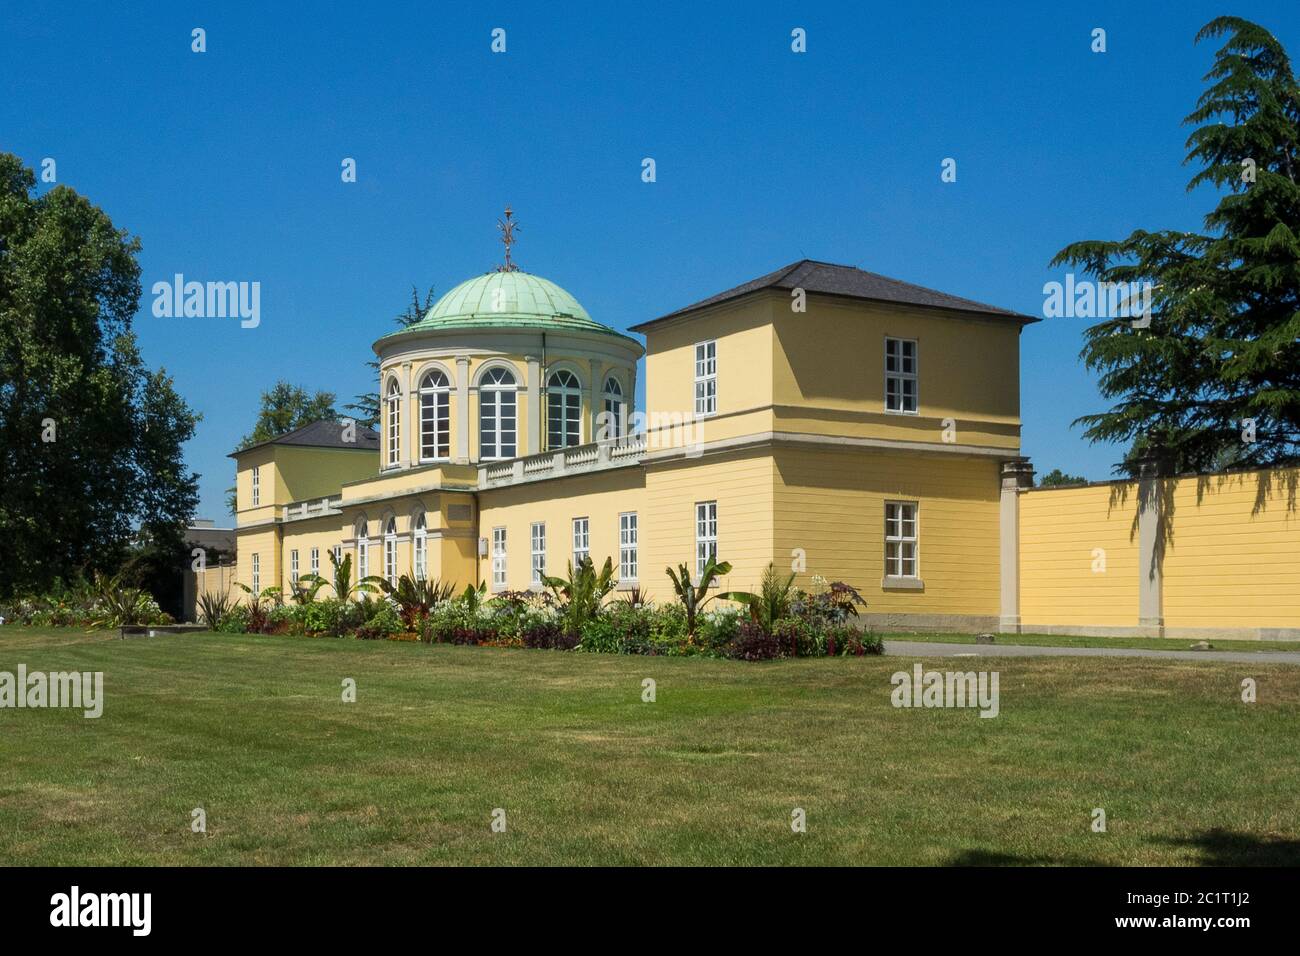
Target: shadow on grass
991	858
1226	848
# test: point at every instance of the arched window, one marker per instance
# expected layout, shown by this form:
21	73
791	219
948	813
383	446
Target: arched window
563	410
435	416
612	426
420	548
393	414
496	399
363	551
390	551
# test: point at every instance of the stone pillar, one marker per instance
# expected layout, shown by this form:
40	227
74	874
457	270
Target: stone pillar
1017	474
1151	551
534	404
595	396
462	409
629	405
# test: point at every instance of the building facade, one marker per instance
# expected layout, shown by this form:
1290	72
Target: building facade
829	420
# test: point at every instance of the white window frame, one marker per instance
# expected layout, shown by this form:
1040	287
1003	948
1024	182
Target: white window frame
492	394
338	553
257	486
563	410
393	418
706	534
390	552
256	577
706	378
581	540
315	560
899	376
420	548
537	553
363	553
614	409
435	415
293	567
895	540
499	559
627	547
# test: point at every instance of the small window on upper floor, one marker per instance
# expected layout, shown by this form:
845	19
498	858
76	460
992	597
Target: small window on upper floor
257	485
900	375
706	378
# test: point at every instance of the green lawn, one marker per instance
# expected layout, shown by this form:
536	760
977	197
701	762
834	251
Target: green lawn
253	730
1143	643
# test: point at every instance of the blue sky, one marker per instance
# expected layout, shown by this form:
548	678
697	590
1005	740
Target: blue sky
226	163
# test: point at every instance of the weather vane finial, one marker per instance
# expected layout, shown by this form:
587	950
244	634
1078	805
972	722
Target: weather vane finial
507	227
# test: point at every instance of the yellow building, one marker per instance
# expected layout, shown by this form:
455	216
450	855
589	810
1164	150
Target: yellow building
830	420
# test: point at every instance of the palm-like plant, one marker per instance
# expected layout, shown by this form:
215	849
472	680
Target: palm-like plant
416	597
472	597
581	593
116	604
214	606
773	600
260	605
305	589
343	586
694	595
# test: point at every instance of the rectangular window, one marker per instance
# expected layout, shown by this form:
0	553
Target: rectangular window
338	554
581	540
390	559
900	375
257	574
627	569
315	560
257	485
538	553
293	566
706	534
900	539
498	559
706	378
363	558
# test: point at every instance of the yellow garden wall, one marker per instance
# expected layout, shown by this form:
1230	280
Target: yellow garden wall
1233	557
1059	528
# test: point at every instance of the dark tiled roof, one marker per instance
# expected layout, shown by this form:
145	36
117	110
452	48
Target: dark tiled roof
851	282
323	434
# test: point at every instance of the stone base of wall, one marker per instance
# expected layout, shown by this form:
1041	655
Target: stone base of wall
939	623
1149	630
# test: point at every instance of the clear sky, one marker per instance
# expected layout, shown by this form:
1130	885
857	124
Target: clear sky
227	163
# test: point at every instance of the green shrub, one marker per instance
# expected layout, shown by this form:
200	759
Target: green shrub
719	627
235	621
380	624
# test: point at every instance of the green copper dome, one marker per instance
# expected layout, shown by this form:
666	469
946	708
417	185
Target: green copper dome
508	300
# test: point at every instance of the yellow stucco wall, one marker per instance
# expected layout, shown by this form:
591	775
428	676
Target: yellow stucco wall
742	483
1233	557
831	503
1059	528
599	497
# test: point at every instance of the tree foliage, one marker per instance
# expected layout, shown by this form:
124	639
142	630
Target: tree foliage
90	439
1223	347
1056	478
286	407
365	408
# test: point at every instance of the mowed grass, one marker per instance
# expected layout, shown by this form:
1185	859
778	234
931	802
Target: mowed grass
254	731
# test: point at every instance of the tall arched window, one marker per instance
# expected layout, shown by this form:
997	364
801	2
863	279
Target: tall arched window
390	551
363	551
496	399
420	548
435	416
613	423
563	410
393	415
